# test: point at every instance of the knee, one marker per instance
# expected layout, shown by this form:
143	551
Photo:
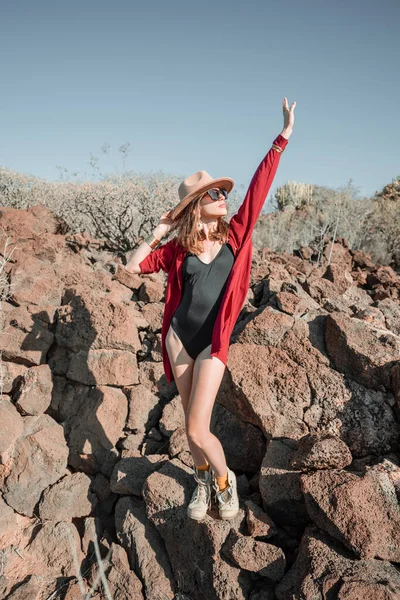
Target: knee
197	435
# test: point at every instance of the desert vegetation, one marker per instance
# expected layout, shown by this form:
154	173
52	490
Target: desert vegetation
122	208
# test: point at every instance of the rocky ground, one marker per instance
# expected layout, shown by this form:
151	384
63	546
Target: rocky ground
93	446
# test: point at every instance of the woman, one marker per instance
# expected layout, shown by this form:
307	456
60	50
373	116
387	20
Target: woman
208	264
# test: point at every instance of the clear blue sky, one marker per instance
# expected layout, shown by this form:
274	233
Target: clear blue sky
199	85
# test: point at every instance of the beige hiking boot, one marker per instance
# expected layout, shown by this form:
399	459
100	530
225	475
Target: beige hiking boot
228	499
201	498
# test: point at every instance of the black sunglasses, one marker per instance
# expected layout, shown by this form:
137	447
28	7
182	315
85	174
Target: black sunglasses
215	193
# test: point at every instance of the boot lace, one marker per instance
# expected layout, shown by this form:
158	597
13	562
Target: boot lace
226	496
202	490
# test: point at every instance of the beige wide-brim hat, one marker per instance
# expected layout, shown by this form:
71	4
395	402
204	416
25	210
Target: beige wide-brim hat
196	184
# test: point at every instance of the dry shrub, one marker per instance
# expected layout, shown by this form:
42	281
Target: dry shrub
383	233
120	209
321	213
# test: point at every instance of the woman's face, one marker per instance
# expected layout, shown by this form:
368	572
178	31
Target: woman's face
212	209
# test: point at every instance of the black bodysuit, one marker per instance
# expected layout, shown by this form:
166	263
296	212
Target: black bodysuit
203	287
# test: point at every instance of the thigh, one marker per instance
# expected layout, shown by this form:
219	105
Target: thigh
207	376
181	364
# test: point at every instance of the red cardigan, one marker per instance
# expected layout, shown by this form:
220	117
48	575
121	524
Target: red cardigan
170	256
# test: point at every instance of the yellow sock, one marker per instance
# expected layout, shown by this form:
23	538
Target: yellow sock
205	467
223	481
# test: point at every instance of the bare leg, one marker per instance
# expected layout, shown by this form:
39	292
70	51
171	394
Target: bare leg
182	368
207	376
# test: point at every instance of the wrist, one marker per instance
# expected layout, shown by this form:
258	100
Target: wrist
154	239
159	234
287	132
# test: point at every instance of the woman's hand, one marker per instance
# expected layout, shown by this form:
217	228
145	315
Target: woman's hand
288	115
164	226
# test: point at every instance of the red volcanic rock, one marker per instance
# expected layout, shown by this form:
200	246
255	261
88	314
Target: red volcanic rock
360	511
338	253
145	549
173	416
130	474
291	304
179	446
364	352
28	590
266	328
153	288
68	498
363	260
34	393
153	313
35	221
103	367
371	315
280	485
130	280
49	554
48	550
384	276
363	418
307	413
259	557
259	523
395	382
306	252
323	565
144	408
90	321
12	375
391	311
122	581
28	338
35	282
8	524
41	443
356	298
12	426
266	388
94	420
385	283
339	276
243	443
321	450
321	289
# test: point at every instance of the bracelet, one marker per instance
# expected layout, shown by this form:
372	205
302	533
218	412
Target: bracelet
152	241
278	148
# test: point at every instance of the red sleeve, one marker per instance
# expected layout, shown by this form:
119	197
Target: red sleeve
242	223
161	258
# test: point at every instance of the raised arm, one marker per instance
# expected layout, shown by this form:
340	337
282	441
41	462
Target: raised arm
242	223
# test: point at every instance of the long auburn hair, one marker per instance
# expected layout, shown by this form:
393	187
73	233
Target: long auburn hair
187	227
